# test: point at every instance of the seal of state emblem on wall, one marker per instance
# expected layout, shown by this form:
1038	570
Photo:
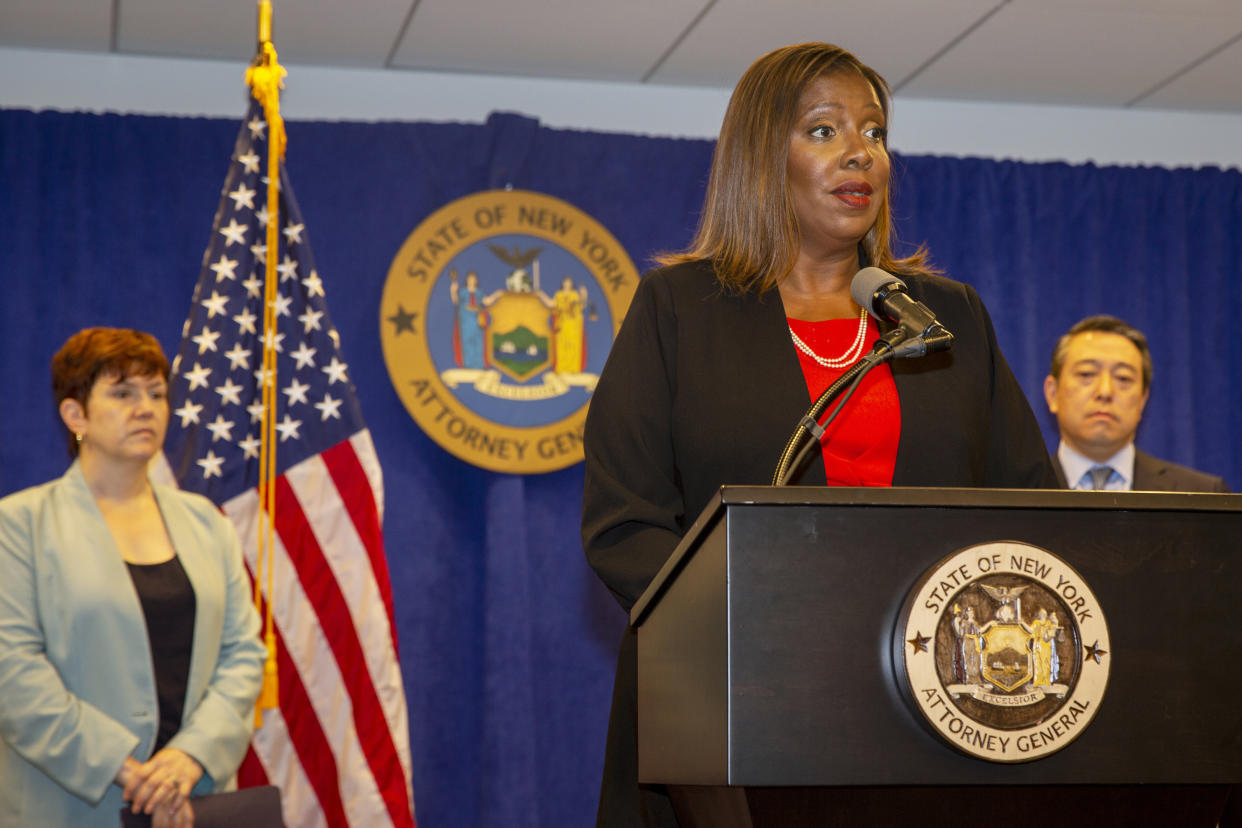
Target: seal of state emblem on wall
1003	651
496	318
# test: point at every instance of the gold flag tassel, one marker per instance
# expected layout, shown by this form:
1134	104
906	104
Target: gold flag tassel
265	77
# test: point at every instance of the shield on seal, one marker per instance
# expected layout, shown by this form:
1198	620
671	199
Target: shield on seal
519	335
1007	655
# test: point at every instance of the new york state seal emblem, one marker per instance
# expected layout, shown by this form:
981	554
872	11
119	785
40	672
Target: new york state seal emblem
497	315
1004	651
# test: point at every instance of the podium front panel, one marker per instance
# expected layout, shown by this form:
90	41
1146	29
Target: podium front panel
810	593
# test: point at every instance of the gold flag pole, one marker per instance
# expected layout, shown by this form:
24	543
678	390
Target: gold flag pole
265	77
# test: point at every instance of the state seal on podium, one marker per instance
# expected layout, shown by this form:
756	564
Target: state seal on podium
1003	650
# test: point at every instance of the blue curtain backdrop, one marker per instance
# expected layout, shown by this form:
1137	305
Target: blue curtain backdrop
507	640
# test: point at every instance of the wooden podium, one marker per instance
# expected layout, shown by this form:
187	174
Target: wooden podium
769	668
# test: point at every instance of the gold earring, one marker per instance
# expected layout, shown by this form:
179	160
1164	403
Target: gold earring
78	437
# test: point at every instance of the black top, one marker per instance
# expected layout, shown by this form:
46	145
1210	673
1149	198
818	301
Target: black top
168	604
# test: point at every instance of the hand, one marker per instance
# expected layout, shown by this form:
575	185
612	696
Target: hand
166	816
127	771
165	779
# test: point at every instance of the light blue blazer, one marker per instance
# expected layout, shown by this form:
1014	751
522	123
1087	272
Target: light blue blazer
77	686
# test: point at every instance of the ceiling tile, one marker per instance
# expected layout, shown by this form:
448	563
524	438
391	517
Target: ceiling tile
56	24
1215	84
893	36
320	32
1092	54
583	39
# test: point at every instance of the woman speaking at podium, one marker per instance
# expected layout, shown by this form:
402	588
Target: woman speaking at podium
725	347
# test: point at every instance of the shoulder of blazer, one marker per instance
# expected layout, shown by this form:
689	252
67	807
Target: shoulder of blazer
25	504
692	287
1163	475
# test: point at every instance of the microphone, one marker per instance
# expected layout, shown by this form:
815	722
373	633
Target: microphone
883	294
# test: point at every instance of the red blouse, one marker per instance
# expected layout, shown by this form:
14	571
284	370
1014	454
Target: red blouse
860	447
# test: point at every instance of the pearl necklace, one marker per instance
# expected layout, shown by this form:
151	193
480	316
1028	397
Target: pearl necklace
851	354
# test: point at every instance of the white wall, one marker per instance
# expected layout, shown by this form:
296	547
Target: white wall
78	81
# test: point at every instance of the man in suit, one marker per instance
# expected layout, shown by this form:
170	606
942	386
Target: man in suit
1097	388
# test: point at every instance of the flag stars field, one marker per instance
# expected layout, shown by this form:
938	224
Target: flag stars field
304	355
234	233
281	304
238	357
335	371
215	305
250	447
198	376
211	465
221	429
206	340
250	162
230	392
288	268
188	413
310	320
224	268
245	322
314	287
329	407
242	197
296	391
288	428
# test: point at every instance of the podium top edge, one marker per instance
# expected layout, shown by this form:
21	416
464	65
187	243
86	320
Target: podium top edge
976	498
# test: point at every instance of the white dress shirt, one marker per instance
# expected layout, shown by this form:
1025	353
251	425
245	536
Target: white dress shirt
1078	468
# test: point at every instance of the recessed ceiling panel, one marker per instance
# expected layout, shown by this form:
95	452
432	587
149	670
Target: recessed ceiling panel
1215	84
1090	54
56	24
321	32
893	36
583	39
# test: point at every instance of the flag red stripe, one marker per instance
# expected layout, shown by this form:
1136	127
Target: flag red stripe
309	741
355	488
252	774
324	595
311	744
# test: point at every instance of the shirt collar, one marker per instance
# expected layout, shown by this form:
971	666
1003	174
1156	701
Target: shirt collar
1075	465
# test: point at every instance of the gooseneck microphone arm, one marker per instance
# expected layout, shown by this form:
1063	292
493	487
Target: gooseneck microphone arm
916	334
798	447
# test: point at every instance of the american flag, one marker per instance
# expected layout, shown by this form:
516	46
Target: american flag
338	746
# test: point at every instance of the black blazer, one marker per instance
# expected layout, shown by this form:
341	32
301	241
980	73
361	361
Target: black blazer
1151	474
702	388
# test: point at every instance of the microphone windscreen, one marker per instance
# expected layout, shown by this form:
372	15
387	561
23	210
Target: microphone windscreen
867	282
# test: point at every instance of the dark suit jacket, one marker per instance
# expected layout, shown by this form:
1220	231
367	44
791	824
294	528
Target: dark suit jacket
703	388
1151	474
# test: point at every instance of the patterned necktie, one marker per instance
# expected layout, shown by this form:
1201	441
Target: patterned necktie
1099	476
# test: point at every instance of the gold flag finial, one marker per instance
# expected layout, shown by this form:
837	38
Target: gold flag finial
265	77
